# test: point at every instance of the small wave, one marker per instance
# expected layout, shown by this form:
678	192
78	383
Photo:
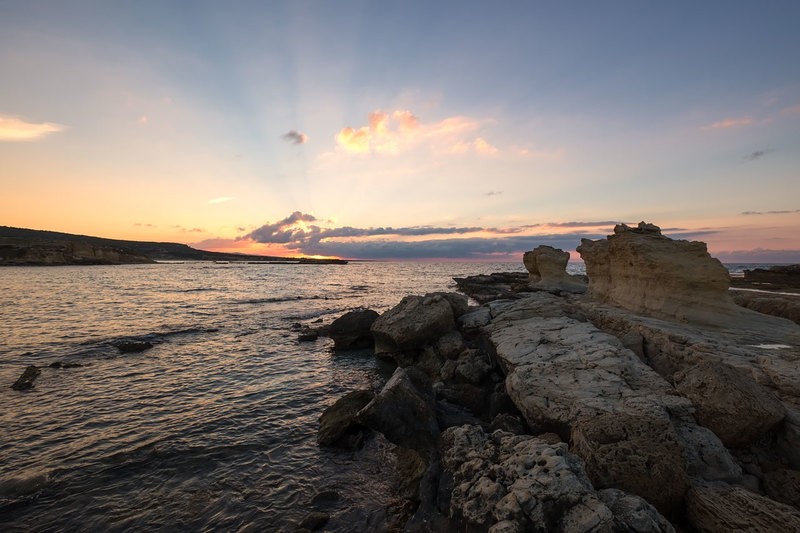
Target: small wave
256	301
24	488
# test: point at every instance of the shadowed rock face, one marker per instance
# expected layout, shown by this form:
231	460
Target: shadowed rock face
641	270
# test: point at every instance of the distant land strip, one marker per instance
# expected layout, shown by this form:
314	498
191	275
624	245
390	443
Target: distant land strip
28	247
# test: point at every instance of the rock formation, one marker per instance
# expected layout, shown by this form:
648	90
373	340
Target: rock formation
352	330
70	253
26	379
547	270
641	270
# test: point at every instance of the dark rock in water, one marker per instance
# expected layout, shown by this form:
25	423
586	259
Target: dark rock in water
307	335
779	276
410	468
133	346
486	288
412	323
314	521
325	498
337	426
25	381
61	364
404	411
352	330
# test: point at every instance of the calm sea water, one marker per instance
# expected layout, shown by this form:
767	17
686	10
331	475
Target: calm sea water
212	429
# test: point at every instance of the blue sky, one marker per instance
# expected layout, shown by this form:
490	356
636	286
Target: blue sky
201	122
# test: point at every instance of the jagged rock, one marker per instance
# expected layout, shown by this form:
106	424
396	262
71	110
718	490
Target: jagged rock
414	322
736	408
632	513
337	426
547	270
478	318
637	453
450	345
404	411
784	486
707	459
409	469
352	330
26	379
486	288
471	367
641	270
458	302
505	482
726	508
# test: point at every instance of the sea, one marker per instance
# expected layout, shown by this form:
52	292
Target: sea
213	428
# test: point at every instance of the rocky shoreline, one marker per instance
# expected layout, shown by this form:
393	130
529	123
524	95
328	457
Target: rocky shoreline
639	398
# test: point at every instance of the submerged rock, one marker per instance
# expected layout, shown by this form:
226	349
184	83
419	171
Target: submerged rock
133	346
337	426
26	379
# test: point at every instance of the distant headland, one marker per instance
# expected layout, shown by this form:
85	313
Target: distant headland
27	247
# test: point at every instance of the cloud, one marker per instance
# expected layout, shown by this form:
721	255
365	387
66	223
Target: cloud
221	199
188	230
493	193
729	123
795	109
17	129
758	154
781	212
144	225
390	133
298	233
295	137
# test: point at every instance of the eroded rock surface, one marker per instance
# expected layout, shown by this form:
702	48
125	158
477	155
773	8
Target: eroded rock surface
547	270
505	482
412	323
725	508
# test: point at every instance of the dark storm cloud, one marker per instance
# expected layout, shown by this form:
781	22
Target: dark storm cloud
295	137
467	248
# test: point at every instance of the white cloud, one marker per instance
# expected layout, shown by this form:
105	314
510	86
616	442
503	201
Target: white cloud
17	129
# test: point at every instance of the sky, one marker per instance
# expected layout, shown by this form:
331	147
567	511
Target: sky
403	130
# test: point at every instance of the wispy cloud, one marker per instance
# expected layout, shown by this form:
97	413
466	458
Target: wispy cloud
389	133
758	154
188	230
780	212
221	199
295	137
793	110
17	129
144	225
729	123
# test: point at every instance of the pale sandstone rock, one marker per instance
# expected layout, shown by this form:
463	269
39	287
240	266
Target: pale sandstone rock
641	270
547	270
721	509
730	403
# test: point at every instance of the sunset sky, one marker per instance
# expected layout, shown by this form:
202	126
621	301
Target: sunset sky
410	129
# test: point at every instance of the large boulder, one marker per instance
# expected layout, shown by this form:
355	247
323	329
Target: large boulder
505	482
641	270
636	453
547	270
352	330
726	508
736	408
414	322
337	426
404	411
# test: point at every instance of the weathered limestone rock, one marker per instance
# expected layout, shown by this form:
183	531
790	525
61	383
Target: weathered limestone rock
736	408
412	323
707	459
641	270
636	453
404	411
352	330
725	508
505	482
547	270
337	426
781	305
26	379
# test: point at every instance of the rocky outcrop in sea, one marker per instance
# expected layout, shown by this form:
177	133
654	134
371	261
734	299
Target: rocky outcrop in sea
640	399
